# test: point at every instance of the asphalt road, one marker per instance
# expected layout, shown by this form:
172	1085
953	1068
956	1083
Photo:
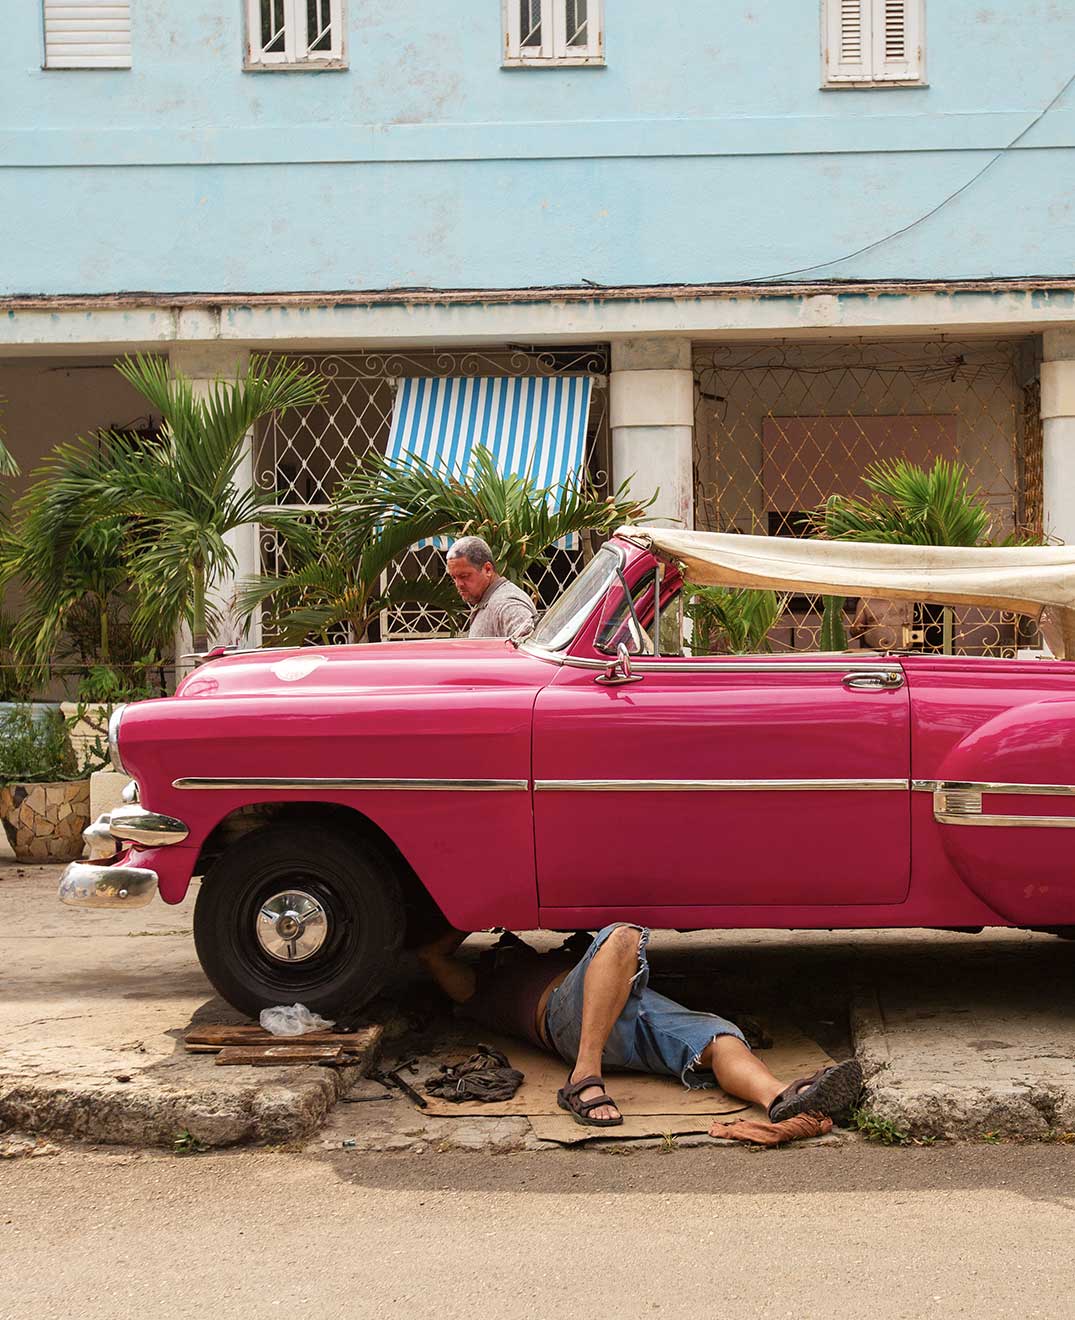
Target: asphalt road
849	1231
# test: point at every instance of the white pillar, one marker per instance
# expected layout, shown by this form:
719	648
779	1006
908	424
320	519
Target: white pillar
652	418
1058	434
203	364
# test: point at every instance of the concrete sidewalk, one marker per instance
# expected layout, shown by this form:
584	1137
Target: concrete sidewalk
93	1008
960	1035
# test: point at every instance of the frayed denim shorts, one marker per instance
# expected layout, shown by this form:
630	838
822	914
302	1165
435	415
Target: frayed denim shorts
653	1034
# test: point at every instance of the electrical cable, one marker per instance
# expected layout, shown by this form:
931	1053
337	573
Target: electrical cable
897	233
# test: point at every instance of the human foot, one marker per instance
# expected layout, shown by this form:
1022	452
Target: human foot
829	1092
586	1102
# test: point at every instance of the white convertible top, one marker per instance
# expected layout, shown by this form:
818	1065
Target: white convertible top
1023	579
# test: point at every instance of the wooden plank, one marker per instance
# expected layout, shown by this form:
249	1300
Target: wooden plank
277	1055
217	1037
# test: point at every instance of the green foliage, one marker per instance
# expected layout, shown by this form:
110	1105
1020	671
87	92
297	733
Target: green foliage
908	505
8	466
185	1143
738	619
178	493
833	635
882	1130
521	521
107	686
35	747
16	680
332	580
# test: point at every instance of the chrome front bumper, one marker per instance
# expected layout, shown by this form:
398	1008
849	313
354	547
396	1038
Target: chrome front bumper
91	884
88	885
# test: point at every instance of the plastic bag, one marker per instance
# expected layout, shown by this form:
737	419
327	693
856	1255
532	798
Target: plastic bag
295	1020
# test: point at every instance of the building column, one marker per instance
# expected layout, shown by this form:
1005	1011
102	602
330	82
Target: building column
1058	435
203	364
651	403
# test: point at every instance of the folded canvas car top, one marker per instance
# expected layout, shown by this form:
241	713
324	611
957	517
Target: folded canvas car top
1024	579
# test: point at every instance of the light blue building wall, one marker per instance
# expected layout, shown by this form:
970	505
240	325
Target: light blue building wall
703	152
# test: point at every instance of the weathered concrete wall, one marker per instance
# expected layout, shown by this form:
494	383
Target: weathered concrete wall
705	151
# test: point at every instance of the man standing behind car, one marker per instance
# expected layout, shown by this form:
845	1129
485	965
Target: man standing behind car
498	607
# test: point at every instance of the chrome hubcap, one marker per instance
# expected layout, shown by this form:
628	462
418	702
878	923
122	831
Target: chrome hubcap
292	926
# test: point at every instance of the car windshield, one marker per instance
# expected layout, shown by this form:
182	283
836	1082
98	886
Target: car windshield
565	616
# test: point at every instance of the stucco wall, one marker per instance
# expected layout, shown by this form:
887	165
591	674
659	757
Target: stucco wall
705	151
47	403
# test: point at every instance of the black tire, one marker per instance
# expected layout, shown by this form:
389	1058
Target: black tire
357	890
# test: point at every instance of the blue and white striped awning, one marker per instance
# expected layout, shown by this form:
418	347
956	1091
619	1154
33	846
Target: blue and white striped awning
534	426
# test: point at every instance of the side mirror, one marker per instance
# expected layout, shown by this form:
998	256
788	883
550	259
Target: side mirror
618	671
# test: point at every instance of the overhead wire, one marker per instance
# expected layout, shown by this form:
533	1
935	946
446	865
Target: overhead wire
913	224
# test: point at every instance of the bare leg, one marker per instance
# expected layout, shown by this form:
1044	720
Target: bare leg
604	993
739	1072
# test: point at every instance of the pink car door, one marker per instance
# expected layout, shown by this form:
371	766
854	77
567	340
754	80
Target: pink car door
748	782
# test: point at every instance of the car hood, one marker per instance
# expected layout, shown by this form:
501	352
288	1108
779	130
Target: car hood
324	669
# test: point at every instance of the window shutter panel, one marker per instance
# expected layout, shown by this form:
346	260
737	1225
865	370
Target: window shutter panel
848	40
87	34
897	43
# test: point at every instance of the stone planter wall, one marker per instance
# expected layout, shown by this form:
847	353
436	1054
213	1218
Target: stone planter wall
44	822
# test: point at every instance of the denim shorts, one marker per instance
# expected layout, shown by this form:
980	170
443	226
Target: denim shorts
653	1034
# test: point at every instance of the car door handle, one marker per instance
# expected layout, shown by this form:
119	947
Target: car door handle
874	680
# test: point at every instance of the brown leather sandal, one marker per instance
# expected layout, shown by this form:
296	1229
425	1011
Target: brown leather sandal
568	1097
831	1091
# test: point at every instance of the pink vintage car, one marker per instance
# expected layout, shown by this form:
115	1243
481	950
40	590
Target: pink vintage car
596	771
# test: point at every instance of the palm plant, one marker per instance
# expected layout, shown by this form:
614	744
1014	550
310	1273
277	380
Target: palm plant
907	505
88	586
740	617
8	466
332	578
521	522
178	493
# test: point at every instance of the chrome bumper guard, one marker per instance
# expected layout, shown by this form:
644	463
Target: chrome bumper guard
91	884
87	885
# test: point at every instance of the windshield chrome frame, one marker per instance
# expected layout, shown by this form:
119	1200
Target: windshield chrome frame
560	655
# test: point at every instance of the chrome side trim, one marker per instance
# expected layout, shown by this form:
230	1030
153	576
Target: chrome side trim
981	786
958	802
376	785
645	665
146	827
721	785
1031	822
87	886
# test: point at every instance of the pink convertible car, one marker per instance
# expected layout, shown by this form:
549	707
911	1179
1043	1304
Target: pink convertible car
331	799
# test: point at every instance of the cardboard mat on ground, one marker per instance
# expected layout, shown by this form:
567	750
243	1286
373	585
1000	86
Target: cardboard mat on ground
652	1106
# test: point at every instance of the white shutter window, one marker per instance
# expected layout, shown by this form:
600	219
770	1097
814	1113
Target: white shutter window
553	33
897	41
87	34
873	42
294	33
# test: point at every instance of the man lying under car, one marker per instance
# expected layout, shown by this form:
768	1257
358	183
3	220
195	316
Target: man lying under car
599	1013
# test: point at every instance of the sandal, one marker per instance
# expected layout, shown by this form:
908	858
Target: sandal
568	1098
829	1092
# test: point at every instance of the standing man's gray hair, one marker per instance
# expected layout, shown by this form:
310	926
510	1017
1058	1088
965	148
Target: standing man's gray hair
474	550
497	607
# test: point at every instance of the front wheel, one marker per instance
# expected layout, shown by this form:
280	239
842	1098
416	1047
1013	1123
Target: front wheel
293	914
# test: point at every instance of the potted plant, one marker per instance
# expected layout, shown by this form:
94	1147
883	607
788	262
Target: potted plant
44	795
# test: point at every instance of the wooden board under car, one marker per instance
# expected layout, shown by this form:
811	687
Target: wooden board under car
253	1046
266	1056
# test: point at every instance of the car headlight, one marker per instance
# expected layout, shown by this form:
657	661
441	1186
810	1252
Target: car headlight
113	739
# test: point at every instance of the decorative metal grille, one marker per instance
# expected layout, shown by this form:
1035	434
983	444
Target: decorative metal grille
302	457
780	427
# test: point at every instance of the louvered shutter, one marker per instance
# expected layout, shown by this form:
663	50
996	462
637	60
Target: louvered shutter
897	40
87	34
848	41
